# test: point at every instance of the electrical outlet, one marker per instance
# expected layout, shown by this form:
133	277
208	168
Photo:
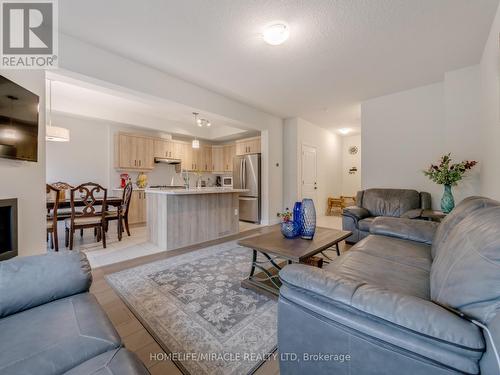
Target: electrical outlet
235	212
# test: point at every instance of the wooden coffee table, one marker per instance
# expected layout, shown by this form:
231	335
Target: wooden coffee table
279	251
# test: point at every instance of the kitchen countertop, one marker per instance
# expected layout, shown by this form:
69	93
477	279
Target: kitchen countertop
207	190
135	188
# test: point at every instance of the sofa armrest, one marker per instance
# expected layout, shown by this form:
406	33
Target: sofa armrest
425	200
412	313
27	282
357	213
406	229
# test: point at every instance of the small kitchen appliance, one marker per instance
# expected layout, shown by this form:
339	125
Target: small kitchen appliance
227	181
124	179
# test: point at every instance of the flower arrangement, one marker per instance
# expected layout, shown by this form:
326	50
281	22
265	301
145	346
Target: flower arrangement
285	216
447	173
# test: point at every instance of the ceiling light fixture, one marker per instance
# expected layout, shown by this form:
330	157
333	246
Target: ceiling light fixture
195	143
201	122
54	133
276	33
344	131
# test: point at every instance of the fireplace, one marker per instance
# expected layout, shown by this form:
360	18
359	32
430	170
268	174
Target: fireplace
8	228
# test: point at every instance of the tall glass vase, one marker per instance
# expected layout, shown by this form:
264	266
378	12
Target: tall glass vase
308	213
447	201
297	216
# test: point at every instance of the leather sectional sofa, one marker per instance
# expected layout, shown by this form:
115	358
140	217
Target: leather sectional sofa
372	203
50	324
414	297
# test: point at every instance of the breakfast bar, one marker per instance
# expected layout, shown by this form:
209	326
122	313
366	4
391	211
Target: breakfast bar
183	217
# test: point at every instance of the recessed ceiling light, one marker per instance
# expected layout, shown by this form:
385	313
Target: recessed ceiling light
276	33
344	131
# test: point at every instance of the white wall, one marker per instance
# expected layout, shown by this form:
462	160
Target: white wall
328	145
107	69
85	158
490	97
351	183
26	180
462	91
404	133
401	135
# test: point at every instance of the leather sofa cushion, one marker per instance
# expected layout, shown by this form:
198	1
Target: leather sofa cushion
460	212
55	337
383	332
365	224
26	282
466	271
114	362
406	229
390	202
397	250
377	260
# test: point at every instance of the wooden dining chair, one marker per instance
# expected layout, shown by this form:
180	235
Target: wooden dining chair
91	214
53	193
121	214
63	188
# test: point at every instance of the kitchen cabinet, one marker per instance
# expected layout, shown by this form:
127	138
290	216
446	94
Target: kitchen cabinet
134	152
163	148
206	159
218	159
137	212
248	146
229	153
187	158
178	149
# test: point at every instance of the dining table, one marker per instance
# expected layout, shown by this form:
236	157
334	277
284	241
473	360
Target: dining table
113	201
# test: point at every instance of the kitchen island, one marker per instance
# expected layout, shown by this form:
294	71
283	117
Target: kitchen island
183	217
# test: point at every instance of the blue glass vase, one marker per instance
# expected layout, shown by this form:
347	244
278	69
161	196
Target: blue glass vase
308	213
447	201
297	216
289	229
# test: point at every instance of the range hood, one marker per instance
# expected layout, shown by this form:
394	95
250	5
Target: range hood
168	161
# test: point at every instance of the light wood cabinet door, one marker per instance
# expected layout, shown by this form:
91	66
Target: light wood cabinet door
206	159
229	153
137	210
133	152
248	146
178	150
127	153
218	158
163	148
145	153
240	148
187	159
254	146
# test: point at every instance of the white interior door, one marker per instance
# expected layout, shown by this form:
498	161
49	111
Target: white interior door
309	173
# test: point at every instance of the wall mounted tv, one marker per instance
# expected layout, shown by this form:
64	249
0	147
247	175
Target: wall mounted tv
18	122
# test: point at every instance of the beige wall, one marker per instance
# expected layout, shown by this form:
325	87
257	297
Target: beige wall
26	180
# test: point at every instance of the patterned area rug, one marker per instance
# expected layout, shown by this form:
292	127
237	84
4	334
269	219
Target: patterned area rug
196	309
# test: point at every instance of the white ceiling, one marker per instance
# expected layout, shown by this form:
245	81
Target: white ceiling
340	52
81	99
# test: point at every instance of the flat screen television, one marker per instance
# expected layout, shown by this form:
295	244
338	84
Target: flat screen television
18	122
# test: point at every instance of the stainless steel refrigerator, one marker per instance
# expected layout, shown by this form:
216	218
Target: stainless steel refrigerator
246	175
